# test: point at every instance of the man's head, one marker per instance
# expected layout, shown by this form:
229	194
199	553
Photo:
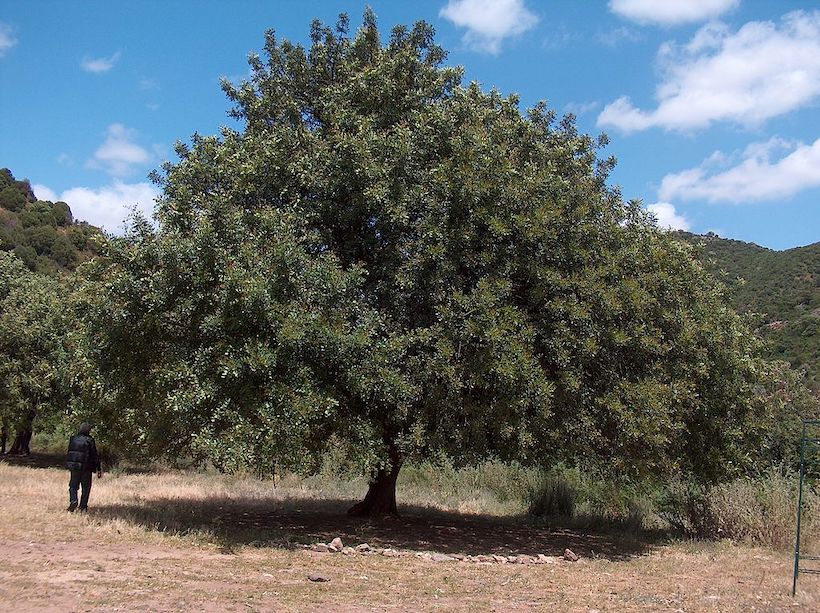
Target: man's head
85	428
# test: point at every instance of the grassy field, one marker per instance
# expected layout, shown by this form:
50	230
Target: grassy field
161	540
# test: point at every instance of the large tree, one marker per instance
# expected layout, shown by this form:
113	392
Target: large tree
389	259
33	355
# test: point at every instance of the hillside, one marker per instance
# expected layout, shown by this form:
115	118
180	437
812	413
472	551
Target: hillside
42	233
782	286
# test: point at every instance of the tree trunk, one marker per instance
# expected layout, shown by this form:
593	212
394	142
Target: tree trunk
22	439
381	494
3	435
21	443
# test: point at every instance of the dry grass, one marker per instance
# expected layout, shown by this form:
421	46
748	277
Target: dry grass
177	541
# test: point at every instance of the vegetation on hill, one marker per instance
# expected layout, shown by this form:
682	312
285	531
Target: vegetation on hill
781	287
43	234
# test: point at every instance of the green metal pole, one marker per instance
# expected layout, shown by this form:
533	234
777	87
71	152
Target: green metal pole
799	508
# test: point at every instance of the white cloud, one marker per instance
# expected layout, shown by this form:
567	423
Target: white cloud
670	12
7	38
763	70
44	193
119	155
667	217
106	207
616	36
757	175
100	64
489	22
581	108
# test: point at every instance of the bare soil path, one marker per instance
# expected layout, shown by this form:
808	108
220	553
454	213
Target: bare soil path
181	542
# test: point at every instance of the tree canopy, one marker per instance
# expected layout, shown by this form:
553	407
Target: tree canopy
386	258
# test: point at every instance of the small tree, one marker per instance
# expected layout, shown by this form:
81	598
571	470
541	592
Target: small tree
388	258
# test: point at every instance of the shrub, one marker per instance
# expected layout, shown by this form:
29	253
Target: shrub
553	496
28	255
12	199
41	238
38	214
62	213
757	510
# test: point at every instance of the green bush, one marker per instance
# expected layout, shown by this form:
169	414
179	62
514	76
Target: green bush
553	496
64	253
28	255
41	238
38	214
62	213
8	239
12	199
759	510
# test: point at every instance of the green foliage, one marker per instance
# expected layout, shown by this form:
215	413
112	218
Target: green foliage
6	178
38	214
33	356
14	195
40	238
553	496
62	214
64	253
758	510
27	255
12	199
417	268
7	239
782	289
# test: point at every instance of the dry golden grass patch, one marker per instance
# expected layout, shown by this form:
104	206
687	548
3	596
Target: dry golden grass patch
177	541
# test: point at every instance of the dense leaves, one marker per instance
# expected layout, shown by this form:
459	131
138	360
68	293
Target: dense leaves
33	352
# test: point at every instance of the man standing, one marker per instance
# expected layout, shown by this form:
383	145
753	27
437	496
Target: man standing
82	460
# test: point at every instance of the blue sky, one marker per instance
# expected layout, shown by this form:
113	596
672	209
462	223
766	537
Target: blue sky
712	106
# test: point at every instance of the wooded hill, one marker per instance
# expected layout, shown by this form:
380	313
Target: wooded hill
782	287
43	234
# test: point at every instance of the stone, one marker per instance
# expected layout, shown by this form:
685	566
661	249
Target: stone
441	557
500	559
484	558
570	556
320	547
337	543
318	578
363	548
390	553
543	559
348	551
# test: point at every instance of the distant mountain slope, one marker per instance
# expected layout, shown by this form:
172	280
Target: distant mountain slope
783	286
41	233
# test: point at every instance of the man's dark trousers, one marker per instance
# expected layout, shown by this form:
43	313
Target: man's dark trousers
79	478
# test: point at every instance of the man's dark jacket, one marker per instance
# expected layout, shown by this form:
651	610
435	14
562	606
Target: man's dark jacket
82	454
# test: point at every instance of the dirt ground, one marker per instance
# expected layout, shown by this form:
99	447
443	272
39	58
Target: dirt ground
187	546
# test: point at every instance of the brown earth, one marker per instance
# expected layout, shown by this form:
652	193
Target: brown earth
186	542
